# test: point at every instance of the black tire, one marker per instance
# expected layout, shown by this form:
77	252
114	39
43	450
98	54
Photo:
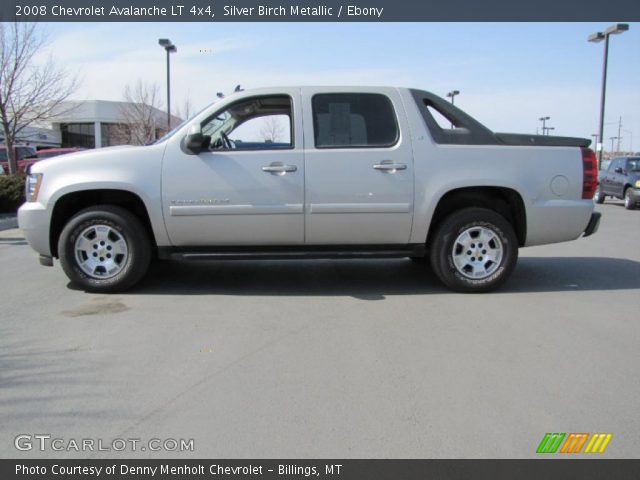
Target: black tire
441	251
125	224
598	197
629	202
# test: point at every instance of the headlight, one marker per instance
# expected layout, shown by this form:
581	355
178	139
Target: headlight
32	186
637	183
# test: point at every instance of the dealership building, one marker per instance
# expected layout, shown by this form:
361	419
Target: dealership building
88	124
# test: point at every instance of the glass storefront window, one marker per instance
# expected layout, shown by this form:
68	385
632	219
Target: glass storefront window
78	135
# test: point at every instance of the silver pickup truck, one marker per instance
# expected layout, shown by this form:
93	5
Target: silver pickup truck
314	172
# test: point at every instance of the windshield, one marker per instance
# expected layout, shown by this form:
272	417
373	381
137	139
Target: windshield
49	154
169	134
172	132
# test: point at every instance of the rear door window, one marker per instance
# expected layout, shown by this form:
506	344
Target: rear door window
348	120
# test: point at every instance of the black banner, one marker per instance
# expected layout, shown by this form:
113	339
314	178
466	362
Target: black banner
583	469
317	10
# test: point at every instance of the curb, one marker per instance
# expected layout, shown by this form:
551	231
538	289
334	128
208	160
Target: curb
7	222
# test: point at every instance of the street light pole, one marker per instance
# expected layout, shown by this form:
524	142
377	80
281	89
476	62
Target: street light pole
452	95
619	133
595	139
544	123
595	38
603	94
169	48
612	139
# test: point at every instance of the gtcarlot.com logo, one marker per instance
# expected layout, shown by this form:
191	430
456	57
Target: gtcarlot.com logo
44	442
573	442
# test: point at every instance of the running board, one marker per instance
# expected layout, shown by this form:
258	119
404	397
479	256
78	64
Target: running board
292	252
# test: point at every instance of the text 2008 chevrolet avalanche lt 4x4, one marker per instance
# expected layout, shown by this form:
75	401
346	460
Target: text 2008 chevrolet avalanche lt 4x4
314	172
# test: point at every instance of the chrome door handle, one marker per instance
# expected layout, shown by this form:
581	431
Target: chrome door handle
389	167
279	169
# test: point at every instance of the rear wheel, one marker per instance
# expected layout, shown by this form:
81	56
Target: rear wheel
598	197
474	250
629	201
104	249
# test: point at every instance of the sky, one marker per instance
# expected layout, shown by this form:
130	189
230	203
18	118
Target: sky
509	74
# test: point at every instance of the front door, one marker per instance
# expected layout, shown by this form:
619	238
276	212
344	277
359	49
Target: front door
247	188
359	168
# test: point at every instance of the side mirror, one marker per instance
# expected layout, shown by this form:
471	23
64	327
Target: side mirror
195	142
618	170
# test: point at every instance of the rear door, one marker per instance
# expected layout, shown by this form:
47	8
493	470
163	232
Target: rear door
358	167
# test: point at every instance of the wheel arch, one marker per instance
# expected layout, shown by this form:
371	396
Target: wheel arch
504	200
71	203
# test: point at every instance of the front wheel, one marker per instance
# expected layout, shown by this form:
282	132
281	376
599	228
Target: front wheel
474	250
629	201
104	249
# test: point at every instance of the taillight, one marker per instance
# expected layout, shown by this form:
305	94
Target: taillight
589	173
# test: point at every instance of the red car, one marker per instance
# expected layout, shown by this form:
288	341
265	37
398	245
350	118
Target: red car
54	152
25	154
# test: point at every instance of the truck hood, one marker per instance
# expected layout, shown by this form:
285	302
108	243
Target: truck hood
77	159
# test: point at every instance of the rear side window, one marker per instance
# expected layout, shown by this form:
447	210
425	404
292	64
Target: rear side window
343	120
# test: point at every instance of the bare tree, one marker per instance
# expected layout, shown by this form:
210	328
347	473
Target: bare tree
29	93
185	110
271	130
139	114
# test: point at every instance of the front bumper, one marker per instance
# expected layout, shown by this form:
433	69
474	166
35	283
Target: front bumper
593	225
33	220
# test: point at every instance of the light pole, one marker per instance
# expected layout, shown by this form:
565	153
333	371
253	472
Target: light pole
169	48
544	123
595	139
549	129
452	95
595	38
619	135
612	139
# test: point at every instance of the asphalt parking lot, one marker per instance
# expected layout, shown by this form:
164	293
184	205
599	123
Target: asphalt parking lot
328	359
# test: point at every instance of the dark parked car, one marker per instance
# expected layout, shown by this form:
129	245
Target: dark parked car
620	180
